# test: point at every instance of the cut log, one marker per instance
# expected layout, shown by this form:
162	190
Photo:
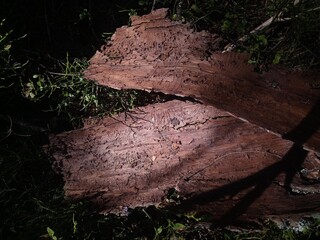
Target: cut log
216	163
156	54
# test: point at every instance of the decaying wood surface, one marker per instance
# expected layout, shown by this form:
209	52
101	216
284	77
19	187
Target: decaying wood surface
217	163
223	162
156	54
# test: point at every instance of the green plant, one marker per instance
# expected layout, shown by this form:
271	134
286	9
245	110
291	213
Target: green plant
67	83
68	92
5	46
9	69
51	234
290	36
168	230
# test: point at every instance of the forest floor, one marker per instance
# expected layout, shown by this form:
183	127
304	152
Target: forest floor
44	49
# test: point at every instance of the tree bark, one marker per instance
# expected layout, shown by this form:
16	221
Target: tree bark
232	162
156	54
215	162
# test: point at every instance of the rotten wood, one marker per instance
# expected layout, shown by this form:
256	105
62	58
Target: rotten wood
216	162
156	54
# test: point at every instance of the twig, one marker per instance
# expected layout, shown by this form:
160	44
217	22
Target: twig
264	25
153	5
267	23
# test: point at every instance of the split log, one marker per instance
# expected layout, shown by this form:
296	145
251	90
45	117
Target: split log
216	162
156	54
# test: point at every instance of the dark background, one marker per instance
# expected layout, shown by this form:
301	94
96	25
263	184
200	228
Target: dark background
55	27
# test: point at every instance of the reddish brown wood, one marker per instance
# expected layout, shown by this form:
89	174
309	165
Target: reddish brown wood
218	163
156	54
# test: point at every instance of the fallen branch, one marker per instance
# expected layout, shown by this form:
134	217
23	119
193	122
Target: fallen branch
277	18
